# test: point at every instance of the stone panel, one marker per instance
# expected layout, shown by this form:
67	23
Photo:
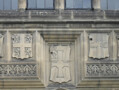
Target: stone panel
100	66
107	70
18	70
59	49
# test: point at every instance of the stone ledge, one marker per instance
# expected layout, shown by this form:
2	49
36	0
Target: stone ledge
21	84
59	15
99	84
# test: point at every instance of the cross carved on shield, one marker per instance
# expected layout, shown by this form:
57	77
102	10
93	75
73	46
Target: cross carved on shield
22	46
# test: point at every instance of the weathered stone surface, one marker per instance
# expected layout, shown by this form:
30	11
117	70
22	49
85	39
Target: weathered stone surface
54	49
96	4
22	4
60	58
59	4
22	46
98	45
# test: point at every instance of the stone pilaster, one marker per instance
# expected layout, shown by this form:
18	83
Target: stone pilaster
59	4
22	4
96	4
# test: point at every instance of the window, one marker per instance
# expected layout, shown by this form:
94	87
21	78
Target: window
40	4
8	4
110	4
77	4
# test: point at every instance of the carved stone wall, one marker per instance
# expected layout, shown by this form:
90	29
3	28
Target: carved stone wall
99	46
59	49
22	46
103	70
60	58
18	70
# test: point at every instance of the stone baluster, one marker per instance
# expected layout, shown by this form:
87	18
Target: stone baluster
96	4
22	4
59	4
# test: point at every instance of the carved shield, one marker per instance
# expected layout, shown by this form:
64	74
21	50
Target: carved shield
22	45
98	45
60	71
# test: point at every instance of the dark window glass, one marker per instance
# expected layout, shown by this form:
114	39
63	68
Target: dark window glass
14	4
76	4
110	4
1	4
40	4
69	4
31	3
86	3
8	4
49	4
103	4
117	5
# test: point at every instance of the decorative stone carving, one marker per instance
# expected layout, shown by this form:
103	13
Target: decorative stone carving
60	66
1	45
98	45
103	70
22	45
14	70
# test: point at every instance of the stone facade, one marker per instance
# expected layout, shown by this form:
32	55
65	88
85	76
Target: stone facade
51	49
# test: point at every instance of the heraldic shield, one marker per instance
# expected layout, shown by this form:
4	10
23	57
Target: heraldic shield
60	71
22	46
98	45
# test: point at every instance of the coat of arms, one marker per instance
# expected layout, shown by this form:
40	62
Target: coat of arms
22	45
60	66
98	45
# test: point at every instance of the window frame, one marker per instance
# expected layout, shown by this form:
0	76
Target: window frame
40	8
